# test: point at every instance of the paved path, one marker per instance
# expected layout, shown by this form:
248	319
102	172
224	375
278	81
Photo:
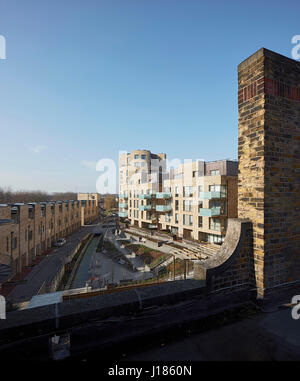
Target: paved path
165	248
105	270
204	248
47	268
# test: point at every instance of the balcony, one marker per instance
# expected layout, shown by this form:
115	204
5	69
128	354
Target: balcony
210	212
210	195
123	214
122	195
163	208
145	196
123	205
163	195
145	207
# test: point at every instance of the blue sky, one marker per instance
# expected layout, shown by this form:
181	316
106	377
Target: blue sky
84	79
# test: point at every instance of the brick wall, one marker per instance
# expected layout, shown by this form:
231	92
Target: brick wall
269	164
38	231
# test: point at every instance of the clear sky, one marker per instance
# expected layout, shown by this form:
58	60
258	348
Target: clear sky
84	79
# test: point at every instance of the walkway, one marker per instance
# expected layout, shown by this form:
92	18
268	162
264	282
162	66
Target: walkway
46	268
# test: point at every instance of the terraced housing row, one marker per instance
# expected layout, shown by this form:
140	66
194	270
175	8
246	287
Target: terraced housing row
30	230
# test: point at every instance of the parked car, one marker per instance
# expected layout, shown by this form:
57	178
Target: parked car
60	242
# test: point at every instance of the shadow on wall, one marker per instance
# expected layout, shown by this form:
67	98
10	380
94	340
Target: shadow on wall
232	265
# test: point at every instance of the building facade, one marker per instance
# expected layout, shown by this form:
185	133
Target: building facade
192	201
199	198
88	199
141	175
30	230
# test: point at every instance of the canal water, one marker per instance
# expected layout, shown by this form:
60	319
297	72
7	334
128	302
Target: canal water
83	268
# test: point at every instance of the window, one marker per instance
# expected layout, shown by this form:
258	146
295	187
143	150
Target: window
187	191
143	157
195	174
213	238
14	243
200	189
176	218
168	217
136	157
215	224
187	206
219	204
30	235
176	191
199	222
200	205
176	204
215	172
219	188
187	220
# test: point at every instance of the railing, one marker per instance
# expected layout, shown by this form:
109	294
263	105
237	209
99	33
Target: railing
210	212
145	196
145	207
122	195
164	195
210	195
123	214
123	205
163	208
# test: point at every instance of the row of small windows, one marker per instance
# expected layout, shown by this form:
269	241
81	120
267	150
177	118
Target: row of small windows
143	157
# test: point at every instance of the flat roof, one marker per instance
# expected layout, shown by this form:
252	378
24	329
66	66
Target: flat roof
46	299
6	221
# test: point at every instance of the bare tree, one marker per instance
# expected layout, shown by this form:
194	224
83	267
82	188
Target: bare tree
9	196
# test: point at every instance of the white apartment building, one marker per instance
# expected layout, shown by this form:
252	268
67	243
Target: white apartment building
141	176
200	197
193	201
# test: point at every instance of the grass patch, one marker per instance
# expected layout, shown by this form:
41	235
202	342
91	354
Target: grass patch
149	256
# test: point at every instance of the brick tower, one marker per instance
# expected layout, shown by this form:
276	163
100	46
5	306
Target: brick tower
269	165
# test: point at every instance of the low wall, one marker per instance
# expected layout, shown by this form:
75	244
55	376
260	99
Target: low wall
230	266
73	312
